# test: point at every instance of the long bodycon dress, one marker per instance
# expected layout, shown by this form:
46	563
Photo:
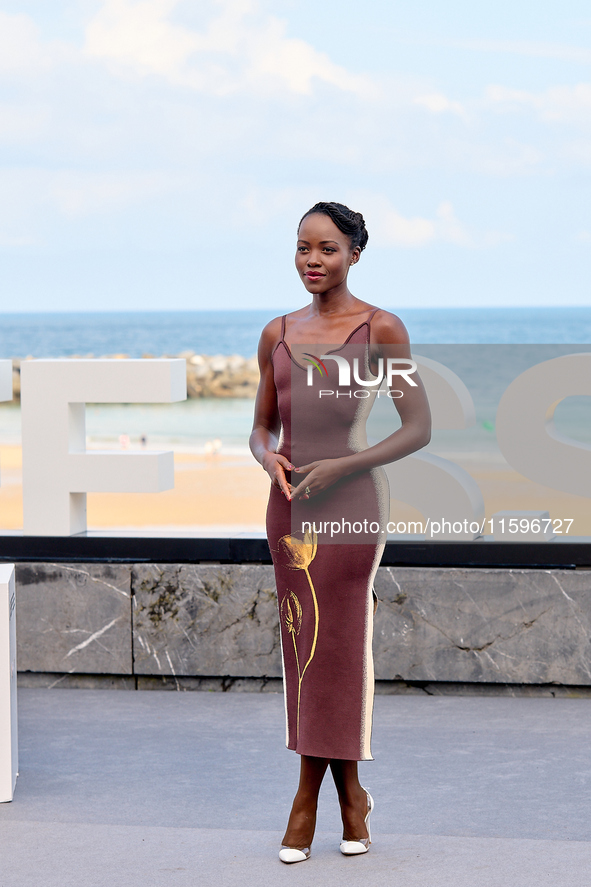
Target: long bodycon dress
325	576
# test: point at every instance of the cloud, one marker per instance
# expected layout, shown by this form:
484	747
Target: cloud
578	152
22	51
77	194
11	241
558	104
506	157
137	35
394	229
271	54
535	49
152	115
389	227
18	124
562	51
583	237
33	199
439	104
20	48
261	206
237	51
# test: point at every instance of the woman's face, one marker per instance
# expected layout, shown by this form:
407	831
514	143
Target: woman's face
323	254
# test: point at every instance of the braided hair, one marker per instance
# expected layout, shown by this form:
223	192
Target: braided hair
350	223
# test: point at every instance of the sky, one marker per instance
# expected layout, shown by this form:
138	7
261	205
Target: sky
158	154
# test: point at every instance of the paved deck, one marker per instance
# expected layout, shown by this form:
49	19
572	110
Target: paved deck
161	788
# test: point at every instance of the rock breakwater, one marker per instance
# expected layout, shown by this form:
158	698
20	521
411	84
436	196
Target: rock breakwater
218	375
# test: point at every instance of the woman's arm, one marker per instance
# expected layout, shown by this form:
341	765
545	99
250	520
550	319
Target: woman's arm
267	425
390	337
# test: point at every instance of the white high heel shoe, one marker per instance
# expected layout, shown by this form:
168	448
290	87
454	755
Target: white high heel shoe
291	854
354	848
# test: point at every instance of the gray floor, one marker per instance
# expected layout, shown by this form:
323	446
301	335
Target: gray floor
159	788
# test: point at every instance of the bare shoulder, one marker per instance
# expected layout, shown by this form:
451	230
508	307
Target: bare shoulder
270	336
388	329
272	329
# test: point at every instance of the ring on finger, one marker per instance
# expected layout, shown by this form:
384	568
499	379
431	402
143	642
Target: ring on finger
307	491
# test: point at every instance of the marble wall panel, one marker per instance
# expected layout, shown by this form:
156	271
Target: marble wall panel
510	626
211	620
206	619
73	618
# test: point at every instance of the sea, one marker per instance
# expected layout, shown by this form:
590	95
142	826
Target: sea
510	340
237	332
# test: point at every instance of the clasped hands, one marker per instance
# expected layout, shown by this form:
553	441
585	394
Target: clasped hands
319	475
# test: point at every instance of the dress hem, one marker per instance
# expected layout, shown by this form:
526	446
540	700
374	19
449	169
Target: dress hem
330	757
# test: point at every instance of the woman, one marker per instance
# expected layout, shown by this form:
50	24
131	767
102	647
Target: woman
328	508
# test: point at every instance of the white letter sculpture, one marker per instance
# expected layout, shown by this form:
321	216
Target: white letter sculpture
57	470
5	380
8	718
438	488
526	433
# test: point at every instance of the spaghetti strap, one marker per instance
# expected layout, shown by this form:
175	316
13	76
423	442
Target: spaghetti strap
368	322
363	323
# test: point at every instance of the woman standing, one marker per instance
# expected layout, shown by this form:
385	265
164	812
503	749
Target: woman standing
328	508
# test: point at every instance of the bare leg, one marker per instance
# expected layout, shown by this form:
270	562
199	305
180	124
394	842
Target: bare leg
352	798
302	819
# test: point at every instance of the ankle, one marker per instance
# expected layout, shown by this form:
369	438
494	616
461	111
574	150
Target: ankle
352	798
300	829
304	802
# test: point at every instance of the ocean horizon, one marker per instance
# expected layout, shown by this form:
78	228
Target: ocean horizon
159	333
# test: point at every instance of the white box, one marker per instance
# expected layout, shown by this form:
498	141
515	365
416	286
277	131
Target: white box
8	714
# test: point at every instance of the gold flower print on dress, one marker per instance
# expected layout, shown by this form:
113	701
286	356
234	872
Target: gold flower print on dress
291	612
300	554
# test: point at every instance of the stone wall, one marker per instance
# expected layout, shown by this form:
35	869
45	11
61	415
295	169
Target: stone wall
210	620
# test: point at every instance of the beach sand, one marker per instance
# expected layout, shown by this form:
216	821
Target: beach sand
229	494
209	490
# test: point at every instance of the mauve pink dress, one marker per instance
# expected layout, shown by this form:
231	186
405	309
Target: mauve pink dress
325	589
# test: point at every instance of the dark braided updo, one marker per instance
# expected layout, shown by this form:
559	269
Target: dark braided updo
347	221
